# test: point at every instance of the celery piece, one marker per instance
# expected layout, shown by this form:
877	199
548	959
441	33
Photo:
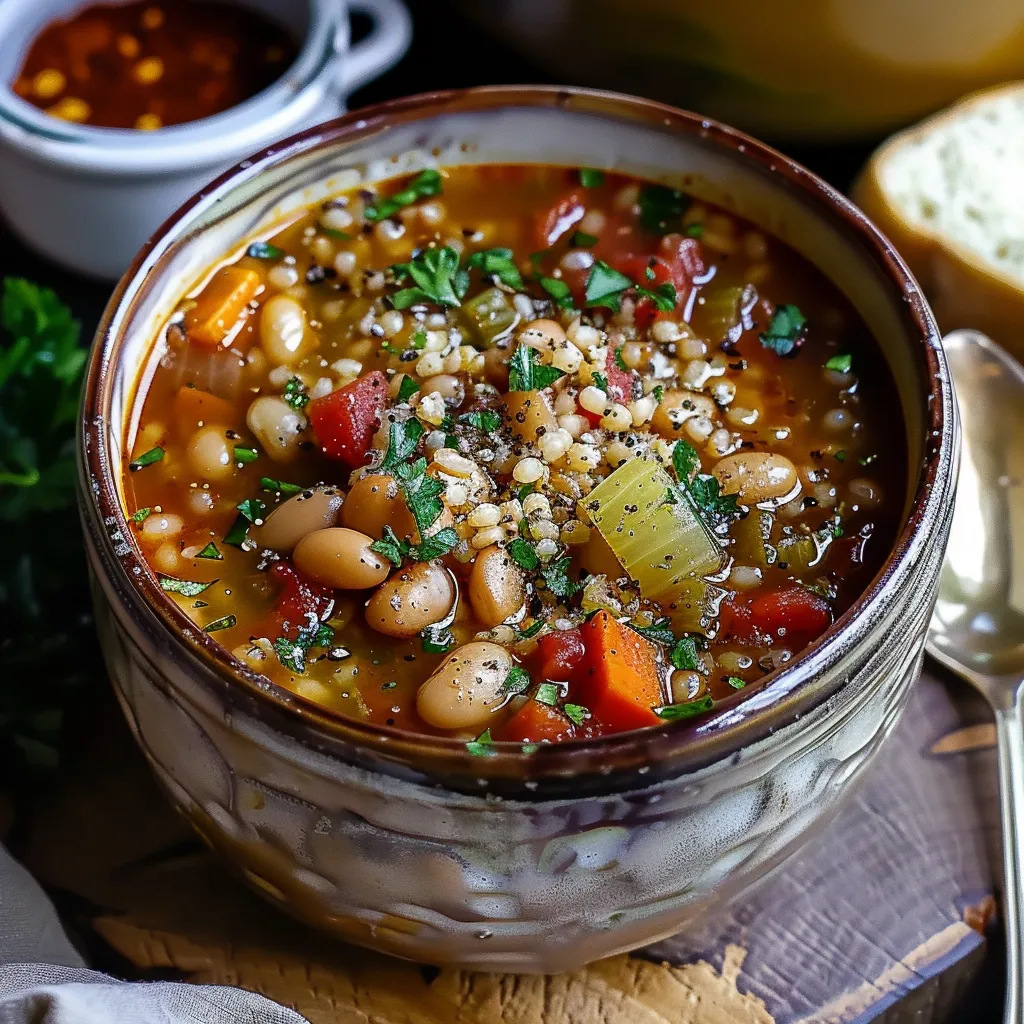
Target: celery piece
489	314
651	526
752	539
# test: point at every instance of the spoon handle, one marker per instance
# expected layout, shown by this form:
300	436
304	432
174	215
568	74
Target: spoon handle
1010	736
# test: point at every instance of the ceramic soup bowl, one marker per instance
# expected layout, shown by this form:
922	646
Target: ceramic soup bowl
519	861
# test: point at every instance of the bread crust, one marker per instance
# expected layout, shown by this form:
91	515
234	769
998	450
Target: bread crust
963	289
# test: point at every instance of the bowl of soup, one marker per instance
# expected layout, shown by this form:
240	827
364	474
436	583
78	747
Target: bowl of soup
515	516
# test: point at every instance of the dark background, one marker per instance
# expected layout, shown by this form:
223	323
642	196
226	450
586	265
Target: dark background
447	53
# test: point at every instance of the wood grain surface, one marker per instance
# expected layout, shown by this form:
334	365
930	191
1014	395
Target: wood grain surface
866	923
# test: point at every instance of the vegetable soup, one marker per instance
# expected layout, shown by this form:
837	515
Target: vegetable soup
516	453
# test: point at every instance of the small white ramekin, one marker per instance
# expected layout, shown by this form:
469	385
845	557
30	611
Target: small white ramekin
88	198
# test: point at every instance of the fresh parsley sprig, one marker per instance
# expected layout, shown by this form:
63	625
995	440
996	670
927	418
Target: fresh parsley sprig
427	183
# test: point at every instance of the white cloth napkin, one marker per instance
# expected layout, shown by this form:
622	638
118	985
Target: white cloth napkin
43	980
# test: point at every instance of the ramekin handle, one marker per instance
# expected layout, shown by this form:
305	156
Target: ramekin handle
382	48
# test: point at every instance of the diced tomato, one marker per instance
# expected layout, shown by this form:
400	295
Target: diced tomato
736	621
535	722
567	212
793	615
345	421
558	655
618	679
299	599
620	389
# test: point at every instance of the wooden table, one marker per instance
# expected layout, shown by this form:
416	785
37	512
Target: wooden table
871	921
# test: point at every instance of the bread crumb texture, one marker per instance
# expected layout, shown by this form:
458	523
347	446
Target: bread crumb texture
961	177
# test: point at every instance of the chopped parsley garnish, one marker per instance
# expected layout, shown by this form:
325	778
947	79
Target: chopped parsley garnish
840	456
619	361
703	490
523	554
556	576
840	363
547	693
146	459
487	421
403	436
661	208
264	251
659	632
295	394
684	654
482	746
582	240
674	712
784	330
695	230
141	515
591	178
226	622
663	296
252	509
605	286
684	460
532	630
407	388
558	290
517	680
436	546
498	263
391	546
576	713
735	682
187	588
292	653
526	374
427	183
210	551
419	339
437	278
659	393
238	533
421	493
273	486
601	382
437	639
245	455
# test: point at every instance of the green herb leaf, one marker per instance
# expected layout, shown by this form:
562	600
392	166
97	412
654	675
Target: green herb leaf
605	286
391	546
264	251
407	388
576	713
487	421
620	362
674	712
517	680
253	509
403	436
438	545
421	493
685	460
272	486
840	363
716	508
145	459
210	551
659	632
547	693
187	588
295	394
558	290
141	515
419	339
556	576
531	631
497	263
522	553
245	455
525	373
839	456
663	297
427	183
601	381
482	746
659	393
735	682
590	178
582	240
684	654
784	330
223	623
292	653
437	639
238	533
662	208
437	278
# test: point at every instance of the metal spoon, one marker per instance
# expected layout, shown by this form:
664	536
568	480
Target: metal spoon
977	629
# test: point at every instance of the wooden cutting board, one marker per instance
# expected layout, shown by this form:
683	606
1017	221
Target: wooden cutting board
879	918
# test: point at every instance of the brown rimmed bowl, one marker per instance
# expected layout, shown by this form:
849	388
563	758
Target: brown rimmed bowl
523	862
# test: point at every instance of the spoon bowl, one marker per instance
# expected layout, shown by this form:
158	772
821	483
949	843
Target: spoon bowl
977	628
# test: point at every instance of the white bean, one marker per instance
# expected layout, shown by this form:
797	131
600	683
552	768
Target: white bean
300	515
756	476
283	330
466	690
277	426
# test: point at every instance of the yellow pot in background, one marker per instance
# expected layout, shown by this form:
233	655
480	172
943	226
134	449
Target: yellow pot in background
803	69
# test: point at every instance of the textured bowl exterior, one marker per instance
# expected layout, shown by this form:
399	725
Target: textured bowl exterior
512	862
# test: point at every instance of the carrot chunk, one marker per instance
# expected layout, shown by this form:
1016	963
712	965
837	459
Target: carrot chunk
618	678
220	305
535	722
193	406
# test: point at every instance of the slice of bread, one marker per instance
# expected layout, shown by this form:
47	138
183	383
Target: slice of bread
949	193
